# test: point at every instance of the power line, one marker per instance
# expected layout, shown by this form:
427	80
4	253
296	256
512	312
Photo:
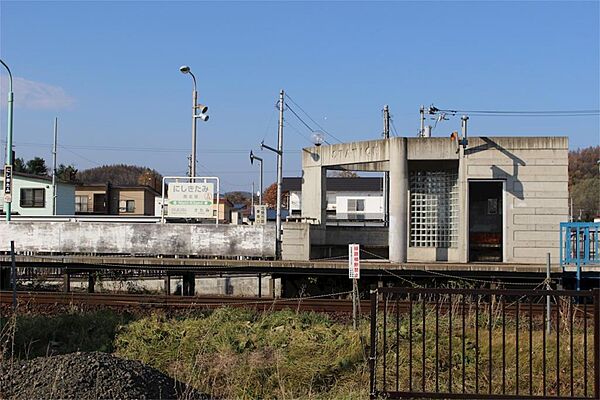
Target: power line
309	117
517	113
139	149
393	127
558	112
289	123
300	119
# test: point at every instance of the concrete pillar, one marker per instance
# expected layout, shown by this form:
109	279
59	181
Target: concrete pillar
167	284
259	285
397	239
66	281
91	282
189	284
314	193
272	286
463	208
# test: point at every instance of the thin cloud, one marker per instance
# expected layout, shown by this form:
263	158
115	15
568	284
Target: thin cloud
36	95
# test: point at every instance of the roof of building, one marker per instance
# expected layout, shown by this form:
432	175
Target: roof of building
104	186
359	184
47	178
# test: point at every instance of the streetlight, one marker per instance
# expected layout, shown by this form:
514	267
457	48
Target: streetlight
202	109
252	158
9	157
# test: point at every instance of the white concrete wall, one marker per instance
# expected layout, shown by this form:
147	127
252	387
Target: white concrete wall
536	199
135	238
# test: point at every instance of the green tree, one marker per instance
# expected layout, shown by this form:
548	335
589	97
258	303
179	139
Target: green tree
584	183
36	166
66	173
19	165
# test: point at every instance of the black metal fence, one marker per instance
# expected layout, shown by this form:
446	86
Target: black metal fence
484	344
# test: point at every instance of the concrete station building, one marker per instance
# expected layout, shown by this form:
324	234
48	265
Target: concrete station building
499	199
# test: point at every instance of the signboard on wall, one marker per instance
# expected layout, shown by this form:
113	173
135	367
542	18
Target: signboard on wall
260	215
8	184
354	261
191	200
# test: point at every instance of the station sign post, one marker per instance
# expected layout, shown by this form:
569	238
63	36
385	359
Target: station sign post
195	199
354	274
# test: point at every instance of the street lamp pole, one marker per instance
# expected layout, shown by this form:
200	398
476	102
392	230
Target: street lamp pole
9	138
252	158
198	111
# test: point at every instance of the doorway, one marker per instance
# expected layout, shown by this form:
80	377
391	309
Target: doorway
486	227
100	203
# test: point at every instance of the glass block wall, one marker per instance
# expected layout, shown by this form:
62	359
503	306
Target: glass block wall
433	208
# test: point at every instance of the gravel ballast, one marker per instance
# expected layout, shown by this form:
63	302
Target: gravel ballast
88	376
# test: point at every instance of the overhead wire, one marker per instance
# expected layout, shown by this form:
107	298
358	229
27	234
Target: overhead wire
300	119
296	130
393	127
309	117
141	149
521	113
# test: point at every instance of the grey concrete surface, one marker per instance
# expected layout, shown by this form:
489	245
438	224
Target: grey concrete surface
131	238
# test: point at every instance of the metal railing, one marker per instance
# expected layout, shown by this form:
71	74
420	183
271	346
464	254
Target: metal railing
579	245
484	344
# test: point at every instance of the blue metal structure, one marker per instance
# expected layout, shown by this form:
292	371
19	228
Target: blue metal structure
579	245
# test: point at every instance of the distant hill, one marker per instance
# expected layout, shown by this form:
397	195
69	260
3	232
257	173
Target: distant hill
121	174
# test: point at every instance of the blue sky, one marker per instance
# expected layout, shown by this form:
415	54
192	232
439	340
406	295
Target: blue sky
109	72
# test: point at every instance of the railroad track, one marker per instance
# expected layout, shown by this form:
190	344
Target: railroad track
179	302
33	299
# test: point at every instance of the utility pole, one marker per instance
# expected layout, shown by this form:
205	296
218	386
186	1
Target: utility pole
279	170
252	198
189	170
9	140
54	166
422	129
386	174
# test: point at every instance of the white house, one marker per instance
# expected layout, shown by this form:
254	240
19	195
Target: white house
348	199
33	195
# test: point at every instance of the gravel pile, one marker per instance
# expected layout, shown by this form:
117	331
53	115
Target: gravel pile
88	376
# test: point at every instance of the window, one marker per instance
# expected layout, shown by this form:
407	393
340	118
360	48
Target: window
356	209
33	198
81	204
433	209
126	206
356	205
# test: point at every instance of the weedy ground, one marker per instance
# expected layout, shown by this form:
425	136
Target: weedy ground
244	354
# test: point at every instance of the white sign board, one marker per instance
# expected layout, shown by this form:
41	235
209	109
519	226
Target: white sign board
354	261
260	215
191	200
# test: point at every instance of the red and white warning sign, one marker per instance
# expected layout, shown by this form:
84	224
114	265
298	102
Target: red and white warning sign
354	261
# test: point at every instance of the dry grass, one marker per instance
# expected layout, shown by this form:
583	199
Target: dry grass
234	353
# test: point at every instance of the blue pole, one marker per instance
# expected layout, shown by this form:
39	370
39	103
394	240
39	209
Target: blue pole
9	138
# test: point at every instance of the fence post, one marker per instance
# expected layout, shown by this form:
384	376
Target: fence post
597	343
548	314
13	273
372	357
